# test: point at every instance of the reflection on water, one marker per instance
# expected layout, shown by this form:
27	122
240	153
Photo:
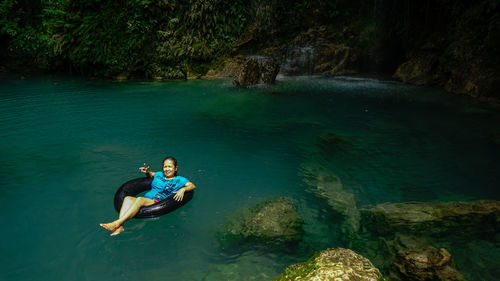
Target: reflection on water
67	144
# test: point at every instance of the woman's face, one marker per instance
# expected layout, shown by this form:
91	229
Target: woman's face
169	169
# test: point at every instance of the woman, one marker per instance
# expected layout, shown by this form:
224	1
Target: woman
164	184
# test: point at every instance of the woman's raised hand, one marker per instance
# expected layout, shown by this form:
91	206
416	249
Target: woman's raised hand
144	169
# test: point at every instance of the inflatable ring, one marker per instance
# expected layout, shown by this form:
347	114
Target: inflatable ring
136	186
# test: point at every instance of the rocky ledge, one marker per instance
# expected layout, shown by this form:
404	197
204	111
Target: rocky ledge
333	264
417	260
434	219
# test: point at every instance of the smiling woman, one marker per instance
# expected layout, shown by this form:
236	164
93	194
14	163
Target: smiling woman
164	184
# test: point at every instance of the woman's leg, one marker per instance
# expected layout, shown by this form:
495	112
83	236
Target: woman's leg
127	202
134	205
134	209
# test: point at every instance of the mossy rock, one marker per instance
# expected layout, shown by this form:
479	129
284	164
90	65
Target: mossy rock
274	221
333	264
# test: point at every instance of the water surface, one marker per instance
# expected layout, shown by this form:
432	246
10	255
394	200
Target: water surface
67	144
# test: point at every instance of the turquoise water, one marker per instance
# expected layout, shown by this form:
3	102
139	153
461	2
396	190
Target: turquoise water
67	144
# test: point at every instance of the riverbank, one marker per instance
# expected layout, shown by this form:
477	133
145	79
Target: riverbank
449	44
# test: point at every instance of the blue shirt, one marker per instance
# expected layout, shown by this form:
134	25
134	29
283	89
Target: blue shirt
162	188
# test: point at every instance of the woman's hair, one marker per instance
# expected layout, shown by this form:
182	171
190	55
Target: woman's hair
171	159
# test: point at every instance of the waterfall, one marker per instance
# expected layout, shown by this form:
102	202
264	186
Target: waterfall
299	60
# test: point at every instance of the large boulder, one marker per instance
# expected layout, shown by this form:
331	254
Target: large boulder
420	69
273	222
417	260
469	71
257	70
332	264
458	219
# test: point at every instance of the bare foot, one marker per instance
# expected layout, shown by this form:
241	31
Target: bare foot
118	231
112	226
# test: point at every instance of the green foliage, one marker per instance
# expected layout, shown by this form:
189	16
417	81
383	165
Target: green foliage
299	15
160	38
137	37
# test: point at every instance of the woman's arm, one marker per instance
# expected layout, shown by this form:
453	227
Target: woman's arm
146	171
179	194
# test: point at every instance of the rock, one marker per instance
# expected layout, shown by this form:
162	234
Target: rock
332	264
257	70
467	70
335	59
268	71
274	221
227	68
465	63
313	53
417	260
328	186
459	219
331	143
249	73
121	77
419	70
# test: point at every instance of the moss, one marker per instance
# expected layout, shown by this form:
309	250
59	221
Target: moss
300	270
273	223
333	264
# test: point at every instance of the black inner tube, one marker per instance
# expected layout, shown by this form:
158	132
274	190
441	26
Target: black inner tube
136	186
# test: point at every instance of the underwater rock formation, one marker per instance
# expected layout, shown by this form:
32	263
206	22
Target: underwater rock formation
331	144
458	219
333	264
274	221
326	185
257	70
416	260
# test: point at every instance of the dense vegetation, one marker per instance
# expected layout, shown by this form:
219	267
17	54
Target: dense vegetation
103	37
162	38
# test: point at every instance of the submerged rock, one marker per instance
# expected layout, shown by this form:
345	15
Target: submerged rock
416	260
434	219
332	264
326	185
331	144
245	268
274	221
